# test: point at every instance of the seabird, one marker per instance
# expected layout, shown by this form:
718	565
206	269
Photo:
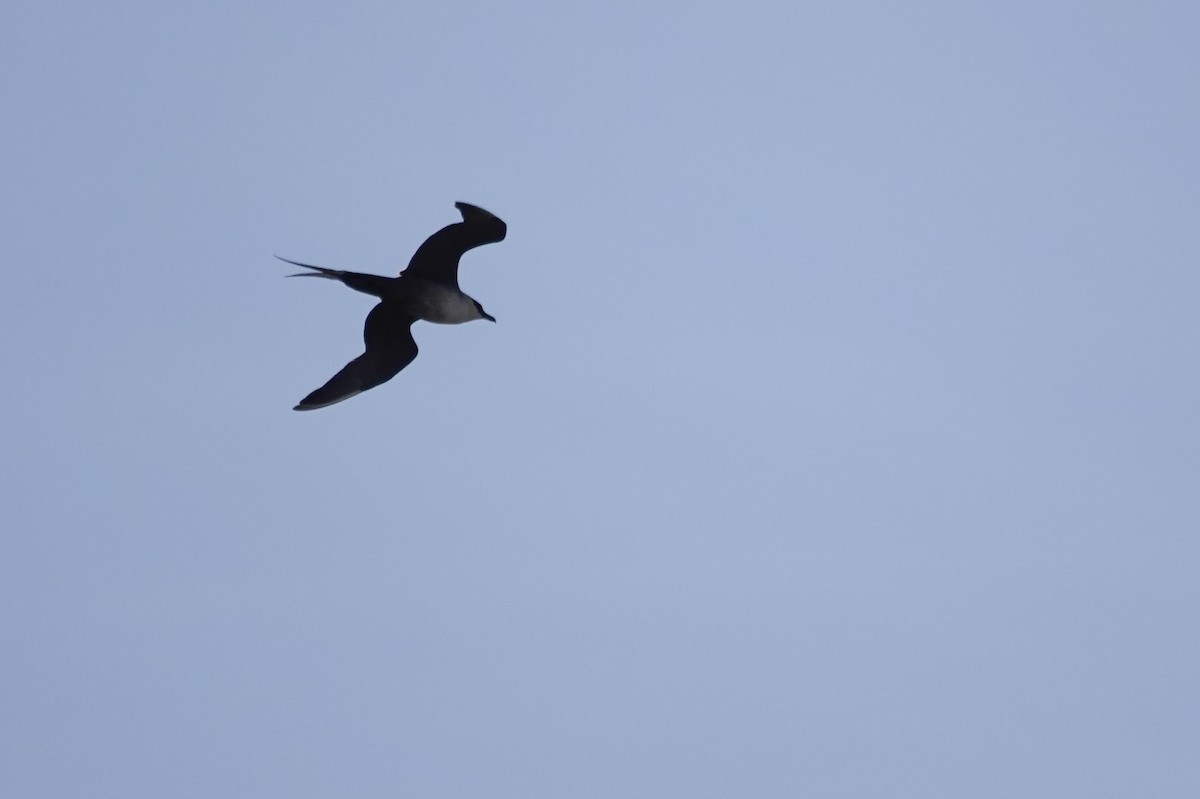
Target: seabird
427	289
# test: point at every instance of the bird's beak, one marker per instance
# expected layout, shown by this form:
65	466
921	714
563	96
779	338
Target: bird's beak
488	317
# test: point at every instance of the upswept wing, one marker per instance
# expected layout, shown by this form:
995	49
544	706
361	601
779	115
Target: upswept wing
437	258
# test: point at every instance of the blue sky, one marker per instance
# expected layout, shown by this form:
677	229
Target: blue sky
837	438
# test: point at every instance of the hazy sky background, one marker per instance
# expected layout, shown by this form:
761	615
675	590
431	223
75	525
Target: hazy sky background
838	437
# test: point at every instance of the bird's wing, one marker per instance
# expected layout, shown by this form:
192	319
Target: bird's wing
437	258
389	348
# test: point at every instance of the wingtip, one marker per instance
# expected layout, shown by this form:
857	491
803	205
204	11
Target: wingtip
483	219
310	404
474	212
305	405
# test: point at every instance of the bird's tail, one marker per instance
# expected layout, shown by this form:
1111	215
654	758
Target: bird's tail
375	285
318	271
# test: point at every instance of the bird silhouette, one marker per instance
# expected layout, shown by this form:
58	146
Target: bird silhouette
427	289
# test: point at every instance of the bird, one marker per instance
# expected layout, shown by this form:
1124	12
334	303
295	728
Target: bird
426	290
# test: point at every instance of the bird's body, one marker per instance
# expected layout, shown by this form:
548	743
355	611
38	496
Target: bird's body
437	302
426	290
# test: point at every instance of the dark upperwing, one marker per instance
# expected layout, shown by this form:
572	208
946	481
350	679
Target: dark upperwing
437	258
389	348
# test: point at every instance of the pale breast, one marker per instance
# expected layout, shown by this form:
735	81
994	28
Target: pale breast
444	305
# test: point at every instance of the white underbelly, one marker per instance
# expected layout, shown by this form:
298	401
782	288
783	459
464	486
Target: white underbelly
445	306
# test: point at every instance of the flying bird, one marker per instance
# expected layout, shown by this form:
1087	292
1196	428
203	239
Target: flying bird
427	289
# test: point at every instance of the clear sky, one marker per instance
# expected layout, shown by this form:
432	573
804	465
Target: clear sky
838	436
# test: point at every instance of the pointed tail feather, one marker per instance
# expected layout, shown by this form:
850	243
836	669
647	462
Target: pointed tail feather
318	271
